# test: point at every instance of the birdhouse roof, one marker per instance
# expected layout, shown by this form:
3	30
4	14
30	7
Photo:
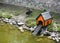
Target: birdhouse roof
46	15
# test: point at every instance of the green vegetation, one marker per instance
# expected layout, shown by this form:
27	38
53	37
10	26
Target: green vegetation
50	27
16	13
55	15
6	15
0	15
30	22
35	13
11	34
59	28
8	12
31	19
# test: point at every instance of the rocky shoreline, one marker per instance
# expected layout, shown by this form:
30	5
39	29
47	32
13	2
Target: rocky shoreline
21	26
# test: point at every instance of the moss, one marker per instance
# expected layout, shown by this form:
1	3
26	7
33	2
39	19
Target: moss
11	34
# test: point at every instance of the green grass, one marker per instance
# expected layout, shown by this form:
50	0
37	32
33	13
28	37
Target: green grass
11	10
0	14
50	28
55	15
35	13
11	34
59	28
31	19
30	22
6	15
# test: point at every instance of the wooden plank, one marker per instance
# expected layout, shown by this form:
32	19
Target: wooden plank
37	29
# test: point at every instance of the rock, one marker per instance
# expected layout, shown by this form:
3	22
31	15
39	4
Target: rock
14	22
10	21
31	29
57	39
6	20
0	19
42	34
21	29
20	23
54	36
25	27
50	37
28	12
35	26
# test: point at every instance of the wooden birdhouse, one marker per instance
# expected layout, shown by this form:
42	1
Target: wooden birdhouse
44	19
